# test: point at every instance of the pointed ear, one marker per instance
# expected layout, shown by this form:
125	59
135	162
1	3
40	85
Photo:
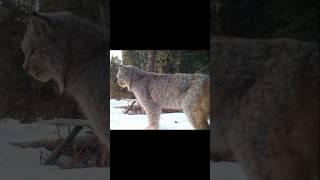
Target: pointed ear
120	66
40	25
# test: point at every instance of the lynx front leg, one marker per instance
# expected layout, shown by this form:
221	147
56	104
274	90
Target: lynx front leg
153	112
154	118
153	109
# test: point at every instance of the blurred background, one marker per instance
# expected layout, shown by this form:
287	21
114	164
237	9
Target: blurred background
265	19
159	61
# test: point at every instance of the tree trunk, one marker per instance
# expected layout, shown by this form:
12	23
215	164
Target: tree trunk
151	61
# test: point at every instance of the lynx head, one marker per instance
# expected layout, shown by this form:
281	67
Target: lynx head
45	49
123	77
127	74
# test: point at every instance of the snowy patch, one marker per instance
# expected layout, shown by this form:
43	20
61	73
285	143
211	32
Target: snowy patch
118	120
24	164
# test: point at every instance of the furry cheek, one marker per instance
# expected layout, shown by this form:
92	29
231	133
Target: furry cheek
122	84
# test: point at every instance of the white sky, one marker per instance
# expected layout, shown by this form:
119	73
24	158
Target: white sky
116	53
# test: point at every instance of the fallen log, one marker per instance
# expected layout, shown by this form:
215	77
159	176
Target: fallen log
57	152
51	144
129	107
81	149
64	121
137	109
48	144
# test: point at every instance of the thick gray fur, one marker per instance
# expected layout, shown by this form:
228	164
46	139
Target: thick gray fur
266	106
154	91
73	52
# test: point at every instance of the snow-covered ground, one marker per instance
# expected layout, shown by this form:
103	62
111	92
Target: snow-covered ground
24	164
226	171
118	120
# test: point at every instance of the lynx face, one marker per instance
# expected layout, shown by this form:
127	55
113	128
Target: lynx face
123	77
44	57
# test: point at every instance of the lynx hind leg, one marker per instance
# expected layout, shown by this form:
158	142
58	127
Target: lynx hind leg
196	112
153	112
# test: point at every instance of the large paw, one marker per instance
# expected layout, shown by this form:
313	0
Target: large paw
152	127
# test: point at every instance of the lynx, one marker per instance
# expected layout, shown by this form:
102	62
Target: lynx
266	106
154	91
72	52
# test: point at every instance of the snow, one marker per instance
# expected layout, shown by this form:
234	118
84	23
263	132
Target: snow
118	120
226	171
24	164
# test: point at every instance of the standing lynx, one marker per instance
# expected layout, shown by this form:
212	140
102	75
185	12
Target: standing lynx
71	51
190	92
